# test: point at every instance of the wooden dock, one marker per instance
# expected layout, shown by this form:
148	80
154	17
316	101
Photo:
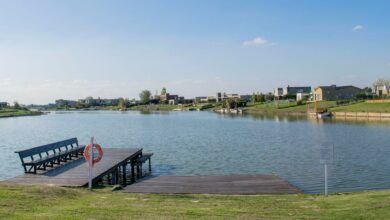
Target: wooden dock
75	173
231	184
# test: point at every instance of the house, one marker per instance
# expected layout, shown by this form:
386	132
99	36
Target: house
164	99
301	96
291	91
278	92
62	102
333	93
201	99
3	104
99	102
382	90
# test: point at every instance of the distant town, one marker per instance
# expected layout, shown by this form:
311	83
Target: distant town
298	95
380	89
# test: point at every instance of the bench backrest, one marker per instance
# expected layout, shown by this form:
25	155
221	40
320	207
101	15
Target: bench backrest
47	149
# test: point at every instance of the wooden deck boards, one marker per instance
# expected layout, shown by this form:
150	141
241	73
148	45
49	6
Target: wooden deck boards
75	173
230	184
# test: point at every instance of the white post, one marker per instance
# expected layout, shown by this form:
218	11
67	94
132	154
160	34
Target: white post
90	164
326	179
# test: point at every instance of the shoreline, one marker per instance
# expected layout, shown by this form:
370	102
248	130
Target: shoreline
22	115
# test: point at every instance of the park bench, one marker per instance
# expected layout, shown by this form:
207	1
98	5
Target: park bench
39	158
142	159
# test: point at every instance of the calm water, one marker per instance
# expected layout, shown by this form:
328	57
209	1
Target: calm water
202	143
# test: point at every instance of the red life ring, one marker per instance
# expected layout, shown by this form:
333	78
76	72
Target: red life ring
96	147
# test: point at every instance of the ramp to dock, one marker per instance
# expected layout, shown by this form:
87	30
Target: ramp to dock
75	173
230	184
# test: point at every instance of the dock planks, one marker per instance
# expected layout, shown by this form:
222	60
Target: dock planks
230	184
75	173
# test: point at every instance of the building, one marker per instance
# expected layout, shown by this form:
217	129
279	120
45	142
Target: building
382	91
62	103
201	99
164	99
294	90
3	104
99	102
218	98
278	92
301	96
333	93
291	91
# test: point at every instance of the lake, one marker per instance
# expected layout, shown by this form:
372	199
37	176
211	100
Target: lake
204	143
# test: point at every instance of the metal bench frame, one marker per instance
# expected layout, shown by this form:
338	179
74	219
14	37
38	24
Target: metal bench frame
39	158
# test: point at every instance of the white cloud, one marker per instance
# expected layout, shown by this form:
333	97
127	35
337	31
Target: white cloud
357	27
388	64
258	41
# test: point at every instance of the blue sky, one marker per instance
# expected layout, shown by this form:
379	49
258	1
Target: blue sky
73	49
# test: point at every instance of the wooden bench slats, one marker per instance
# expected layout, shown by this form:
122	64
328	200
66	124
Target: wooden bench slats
49	154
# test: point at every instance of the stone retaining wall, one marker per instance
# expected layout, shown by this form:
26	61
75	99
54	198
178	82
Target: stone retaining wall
361	114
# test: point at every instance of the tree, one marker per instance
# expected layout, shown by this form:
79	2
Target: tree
16	105
163	91
145	96
270	97
121	104
258	97
254	98
367	90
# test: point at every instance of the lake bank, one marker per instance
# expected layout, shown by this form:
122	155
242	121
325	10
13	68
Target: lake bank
48	202
356	109
8	112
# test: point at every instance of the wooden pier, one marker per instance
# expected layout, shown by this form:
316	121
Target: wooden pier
230	184
117	163
65	167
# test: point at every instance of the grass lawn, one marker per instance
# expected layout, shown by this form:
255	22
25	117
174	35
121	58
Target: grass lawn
10	112
363	107
46	202
286	107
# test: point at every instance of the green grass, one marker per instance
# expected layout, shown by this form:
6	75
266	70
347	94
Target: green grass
291	107
11	112
33	202
363	107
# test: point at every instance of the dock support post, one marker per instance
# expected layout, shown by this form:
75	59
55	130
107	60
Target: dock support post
138	171
124	174
117	176
132	172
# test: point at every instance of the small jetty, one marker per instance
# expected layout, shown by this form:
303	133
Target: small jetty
75	173
236	184
62	164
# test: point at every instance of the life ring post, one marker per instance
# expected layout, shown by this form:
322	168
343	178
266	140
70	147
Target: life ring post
89	155
90	164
